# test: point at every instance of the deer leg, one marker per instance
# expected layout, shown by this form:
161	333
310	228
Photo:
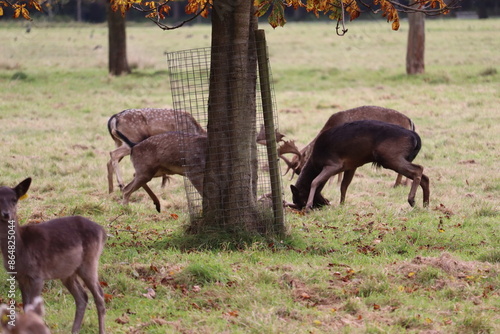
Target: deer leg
89	277
197	181
30	289
346	181
110	177
424	183
320	180
137	182
116	156
398	180
164	180
153	196
81	299
413	172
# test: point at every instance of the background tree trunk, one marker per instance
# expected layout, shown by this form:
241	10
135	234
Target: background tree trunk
229	196
117	36
415	63
79	10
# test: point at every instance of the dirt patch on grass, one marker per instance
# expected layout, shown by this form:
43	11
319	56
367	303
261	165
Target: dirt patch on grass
448	264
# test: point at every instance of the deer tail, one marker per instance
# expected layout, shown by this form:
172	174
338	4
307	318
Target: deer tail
412	125
125	139
417	145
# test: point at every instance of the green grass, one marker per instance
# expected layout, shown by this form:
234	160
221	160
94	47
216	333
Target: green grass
373	265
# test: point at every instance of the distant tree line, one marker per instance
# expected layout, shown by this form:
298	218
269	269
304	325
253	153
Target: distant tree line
95	11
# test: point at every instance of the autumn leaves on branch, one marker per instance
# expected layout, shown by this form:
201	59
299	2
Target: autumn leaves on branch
275	9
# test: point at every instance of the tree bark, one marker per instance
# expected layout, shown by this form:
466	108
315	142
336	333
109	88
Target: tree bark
415	63
229	196
117	40
79	10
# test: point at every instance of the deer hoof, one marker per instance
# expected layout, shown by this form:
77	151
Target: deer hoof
412	202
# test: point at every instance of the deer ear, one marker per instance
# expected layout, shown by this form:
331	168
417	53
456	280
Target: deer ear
22	188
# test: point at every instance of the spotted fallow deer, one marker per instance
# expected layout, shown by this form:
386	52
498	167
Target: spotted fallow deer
168	153
356	114
140	124
66	248
29	322
347	147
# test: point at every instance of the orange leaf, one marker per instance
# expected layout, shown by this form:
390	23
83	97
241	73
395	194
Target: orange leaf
35	4
122	320
108	297
232	313
395	24
304	295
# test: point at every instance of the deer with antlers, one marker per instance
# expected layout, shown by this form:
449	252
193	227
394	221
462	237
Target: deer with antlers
356	114
140	124
347	147
65	248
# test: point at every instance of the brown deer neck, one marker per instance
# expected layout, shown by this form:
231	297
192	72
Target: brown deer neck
10	236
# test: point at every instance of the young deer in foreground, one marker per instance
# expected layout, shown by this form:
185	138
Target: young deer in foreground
139	124
345	148
29	322
351	115
168	153
65	248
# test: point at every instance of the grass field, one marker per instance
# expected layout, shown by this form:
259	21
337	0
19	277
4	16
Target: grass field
373	265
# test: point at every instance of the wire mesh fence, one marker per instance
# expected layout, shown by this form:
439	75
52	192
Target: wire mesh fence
190	79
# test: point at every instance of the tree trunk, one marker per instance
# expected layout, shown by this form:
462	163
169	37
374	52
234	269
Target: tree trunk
79	10
117	37
415	63
229	196
482	9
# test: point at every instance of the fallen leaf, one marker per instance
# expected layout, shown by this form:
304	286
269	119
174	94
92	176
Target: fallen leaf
232	313
108	297
124	319
160	321
151	294
304	295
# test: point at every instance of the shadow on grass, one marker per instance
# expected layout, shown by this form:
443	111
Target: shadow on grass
239	241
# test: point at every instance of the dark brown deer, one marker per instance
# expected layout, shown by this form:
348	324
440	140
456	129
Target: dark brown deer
356	114
139	124
345	148
29	322
168	153
65	248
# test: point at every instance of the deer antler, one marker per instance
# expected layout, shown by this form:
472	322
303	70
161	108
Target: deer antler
261	136
290	147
